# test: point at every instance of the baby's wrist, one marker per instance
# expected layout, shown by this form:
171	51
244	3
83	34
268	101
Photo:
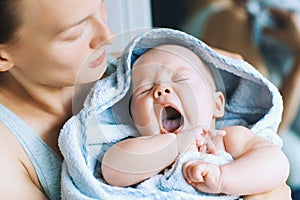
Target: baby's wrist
186	141
221	180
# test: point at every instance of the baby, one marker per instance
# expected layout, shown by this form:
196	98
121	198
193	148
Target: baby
175	98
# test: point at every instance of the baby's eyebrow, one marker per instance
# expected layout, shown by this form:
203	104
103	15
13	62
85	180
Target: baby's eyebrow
184	71
141	85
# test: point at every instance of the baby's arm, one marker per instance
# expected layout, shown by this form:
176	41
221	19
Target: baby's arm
133	160
259	166
136	159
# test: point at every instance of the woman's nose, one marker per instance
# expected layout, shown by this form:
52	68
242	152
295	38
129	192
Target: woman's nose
102	34
161	91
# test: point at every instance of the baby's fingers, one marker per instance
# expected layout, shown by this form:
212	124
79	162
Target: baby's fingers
203	149
214	133
212	137
211	147
192	171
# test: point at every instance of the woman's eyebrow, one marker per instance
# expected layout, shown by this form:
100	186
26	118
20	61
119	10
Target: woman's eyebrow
65	28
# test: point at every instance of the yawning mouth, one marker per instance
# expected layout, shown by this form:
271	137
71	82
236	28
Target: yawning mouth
172	120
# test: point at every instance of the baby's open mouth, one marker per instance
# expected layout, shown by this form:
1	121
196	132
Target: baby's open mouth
172	119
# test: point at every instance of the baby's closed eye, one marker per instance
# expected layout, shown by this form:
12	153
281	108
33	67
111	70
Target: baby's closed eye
143	89
180	78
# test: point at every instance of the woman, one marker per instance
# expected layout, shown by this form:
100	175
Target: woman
43	47
40	61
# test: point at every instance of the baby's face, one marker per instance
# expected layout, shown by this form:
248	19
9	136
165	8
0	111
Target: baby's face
171	92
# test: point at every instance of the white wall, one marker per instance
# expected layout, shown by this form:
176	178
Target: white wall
127	18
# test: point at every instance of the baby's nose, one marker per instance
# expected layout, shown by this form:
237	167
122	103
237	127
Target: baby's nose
160	91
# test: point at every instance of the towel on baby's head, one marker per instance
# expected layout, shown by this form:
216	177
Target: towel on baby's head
251	98
251	101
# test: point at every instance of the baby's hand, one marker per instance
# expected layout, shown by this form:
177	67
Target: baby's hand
207	139
199	139
203	176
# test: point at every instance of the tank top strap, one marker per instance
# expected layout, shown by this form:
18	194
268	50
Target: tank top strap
46	162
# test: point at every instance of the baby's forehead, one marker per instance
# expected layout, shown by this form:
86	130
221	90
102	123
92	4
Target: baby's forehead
172	55
175	57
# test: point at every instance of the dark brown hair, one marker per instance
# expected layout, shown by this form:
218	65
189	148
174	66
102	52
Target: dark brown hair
9	21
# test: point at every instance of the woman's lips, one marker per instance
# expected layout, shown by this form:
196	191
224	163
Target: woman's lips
98	61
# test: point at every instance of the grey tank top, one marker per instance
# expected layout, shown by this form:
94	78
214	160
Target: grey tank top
46	162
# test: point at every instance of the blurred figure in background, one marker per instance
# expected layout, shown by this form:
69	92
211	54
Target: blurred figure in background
267	34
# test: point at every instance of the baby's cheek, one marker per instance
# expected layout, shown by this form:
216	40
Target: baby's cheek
140	113
146	123
141	120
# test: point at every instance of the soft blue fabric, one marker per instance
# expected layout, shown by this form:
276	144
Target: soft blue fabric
252	101
46	162
173	180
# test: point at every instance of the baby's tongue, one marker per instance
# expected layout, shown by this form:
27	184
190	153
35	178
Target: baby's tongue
171	125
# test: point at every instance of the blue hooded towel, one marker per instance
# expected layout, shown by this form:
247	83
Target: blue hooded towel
252	101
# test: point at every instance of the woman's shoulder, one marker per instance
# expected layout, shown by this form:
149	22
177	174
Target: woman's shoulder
16	168
11	152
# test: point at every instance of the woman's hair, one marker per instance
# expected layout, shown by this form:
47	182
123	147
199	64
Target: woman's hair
9	21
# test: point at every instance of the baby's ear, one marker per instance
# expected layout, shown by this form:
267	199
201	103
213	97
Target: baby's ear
219	101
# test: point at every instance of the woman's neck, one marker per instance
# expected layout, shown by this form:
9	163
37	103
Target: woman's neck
43	109
51	99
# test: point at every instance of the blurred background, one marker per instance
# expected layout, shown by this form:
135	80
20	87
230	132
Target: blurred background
265	32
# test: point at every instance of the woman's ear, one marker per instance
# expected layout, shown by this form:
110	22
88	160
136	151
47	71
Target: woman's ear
5	61
219	100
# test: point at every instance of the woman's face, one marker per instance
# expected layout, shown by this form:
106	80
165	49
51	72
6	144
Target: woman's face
61	42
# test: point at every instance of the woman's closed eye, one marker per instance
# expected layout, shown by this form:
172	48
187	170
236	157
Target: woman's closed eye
76	32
